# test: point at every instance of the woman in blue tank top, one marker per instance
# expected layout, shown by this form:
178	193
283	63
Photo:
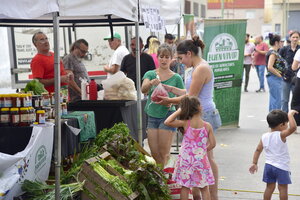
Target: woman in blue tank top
199	82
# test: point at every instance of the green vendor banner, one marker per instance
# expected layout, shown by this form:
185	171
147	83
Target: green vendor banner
224	51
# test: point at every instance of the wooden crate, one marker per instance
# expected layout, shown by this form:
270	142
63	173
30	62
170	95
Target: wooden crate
97	186
107	156
141	149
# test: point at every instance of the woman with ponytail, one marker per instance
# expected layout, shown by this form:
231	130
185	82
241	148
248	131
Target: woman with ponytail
199	82
276	66
153	47
146	47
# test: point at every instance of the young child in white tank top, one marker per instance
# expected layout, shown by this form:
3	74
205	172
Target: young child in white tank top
277	156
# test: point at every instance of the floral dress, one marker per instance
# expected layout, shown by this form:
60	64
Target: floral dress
192	168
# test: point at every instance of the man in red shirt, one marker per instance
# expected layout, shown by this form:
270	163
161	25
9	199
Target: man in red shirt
42	64
259	61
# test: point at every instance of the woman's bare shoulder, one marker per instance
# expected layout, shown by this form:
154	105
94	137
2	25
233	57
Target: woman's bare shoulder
203	67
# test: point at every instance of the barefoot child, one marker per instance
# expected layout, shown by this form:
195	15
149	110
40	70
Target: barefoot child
276	152
192	169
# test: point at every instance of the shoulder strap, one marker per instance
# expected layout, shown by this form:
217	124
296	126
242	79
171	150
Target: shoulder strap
275	53
205	125
189	123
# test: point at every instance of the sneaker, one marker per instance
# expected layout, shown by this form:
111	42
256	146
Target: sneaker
261	90
245	90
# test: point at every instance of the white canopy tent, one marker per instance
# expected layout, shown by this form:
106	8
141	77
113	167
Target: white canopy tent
38	13
56	13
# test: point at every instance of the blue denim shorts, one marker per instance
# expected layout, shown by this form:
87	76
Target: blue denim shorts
158	123
273	174
212	117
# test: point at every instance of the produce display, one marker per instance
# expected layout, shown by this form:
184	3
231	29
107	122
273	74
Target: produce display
146	177
35	86
138	171
119	184
41	191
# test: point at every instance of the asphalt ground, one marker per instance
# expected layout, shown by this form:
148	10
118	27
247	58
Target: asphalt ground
235	148
236	145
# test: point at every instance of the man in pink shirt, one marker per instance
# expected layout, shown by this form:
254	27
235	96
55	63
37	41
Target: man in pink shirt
259	61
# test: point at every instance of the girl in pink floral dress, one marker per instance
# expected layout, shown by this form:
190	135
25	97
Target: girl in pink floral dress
192	169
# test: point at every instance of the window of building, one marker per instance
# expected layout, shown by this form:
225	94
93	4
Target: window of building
203	11
277	28
187	7
196	9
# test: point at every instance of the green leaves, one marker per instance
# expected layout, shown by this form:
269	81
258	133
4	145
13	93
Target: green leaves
35	86
40	191
147	178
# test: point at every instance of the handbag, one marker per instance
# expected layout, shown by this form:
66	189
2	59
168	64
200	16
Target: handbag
288	75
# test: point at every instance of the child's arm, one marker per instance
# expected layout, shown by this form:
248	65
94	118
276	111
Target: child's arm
173	122
257	153
211	138
292	126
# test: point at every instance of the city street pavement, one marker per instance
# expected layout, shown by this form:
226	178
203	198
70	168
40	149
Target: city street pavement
236	145
235	148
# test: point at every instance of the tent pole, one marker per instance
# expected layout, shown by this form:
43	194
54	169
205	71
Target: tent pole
178	31
138	83
57	129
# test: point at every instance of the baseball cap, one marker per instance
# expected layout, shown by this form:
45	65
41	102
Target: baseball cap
116	35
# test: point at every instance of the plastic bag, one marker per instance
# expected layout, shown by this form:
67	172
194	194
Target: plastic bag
159	91
113	80
173	186
119	87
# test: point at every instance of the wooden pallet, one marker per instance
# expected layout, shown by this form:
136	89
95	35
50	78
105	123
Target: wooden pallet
99	188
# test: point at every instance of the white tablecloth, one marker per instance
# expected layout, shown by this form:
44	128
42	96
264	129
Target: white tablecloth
33	163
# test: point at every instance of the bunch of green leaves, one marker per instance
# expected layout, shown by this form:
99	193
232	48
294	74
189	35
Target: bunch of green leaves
105	134
123	150
117	183
40	191
115	165
87	152
91	150
151	183
35	86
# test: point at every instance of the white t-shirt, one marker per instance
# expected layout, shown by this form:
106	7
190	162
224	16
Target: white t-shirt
297	58
249	49
276	151
117	57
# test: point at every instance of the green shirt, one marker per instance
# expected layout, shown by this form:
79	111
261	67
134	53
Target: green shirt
159	111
